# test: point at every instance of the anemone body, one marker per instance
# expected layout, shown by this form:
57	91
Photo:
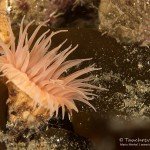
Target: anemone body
38	72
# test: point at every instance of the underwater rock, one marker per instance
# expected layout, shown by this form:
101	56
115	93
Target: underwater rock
126	20
39	10
62	13
53	138
83	14
4	28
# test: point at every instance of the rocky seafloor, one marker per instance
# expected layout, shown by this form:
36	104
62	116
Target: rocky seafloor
123	111
62	13
126	20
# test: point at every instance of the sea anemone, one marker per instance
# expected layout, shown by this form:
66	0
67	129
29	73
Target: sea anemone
39	75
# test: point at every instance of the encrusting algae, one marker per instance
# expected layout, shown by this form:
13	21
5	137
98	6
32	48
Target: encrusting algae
126	20
4	34
35	77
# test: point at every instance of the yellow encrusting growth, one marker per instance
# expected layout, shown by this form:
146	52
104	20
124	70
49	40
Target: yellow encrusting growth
4	24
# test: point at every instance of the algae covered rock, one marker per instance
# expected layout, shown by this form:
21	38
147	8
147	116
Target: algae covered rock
126	20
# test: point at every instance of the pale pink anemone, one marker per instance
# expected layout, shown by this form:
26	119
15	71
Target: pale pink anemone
38	72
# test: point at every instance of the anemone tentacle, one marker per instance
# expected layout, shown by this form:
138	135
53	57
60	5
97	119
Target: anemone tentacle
39	72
